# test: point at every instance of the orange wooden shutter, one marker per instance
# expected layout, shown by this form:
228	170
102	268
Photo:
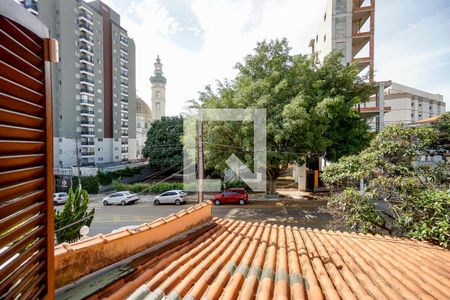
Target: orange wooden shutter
26	163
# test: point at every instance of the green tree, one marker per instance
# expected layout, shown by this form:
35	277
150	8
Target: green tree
163	146
402	196
88	183
73	216
309	109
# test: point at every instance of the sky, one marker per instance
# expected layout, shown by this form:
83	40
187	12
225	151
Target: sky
200	41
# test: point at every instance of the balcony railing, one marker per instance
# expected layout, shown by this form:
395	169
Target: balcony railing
124	142
88	112
86	58
124	108
123	39
124	133
124	151
85	47
123	56
87	153
88	80
87	132
87	69
124	125
124	74
31	5
124	83
85	15
124	66
87	143
86	37
87	101
85	90
124	49
125	117
124	100
87	122
87	27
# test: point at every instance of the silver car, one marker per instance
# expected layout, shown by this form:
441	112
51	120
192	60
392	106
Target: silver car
170	197
122	198
59	198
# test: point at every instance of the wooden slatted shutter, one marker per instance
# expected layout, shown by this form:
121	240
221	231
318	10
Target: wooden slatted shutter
26	157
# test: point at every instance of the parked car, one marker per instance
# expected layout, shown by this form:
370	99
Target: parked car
59	198
122	198
170	197
231	195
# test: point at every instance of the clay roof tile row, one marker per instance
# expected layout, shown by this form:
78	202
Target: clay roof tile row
241	260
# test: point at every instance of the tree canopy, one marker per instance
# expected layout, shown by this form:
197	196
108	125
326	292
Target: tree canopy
308	104
403	196
163	146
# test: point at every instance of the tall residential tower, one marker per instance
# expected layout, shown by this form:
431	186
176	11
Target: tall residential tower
93	85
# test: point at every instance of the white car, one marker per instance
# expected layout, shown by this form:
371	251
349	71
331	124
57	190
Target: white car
59	198
122	198
170	197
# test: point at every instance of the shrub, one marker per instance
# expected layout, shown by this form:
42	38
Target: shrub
235	183
106	178
401	197
73	216
88	183
159	187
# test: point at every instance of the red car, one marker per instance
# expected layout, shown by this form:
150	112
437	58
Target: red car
232	195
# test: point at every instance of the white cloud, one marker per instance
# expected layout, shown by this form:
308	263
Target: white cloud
219	33
229	30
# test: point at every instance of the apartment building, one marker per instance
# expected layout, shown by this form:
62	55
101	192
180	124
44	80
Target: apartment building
94	87
408	105
348	26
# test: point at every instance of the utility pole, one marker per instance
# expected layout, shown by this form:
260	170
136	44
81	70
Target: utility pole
201	162
78	163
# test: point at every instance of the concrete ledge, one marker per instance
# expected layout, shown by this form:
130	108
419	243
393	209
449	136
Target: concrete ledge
73	261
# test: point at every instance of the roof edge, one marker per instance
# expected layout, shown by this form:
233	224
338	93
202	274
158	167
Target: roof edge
104	250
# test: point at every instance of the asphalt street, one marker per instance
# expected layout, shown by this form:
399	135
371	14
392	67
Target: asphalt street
301	213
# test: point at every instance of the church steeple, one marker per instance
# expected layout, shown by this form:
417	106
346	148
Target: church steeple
158	82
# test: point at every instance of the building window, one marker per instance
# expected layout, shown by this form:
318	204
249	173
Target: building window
138	125
420	104
146	125
324	38
325	17
100	139
412	115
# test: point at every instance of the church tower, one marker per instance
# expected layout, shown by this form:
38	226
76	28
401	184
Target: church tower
158	82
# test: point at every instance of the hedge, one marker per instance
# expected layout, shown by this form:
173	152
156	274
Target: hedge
159	187
88	183
106	178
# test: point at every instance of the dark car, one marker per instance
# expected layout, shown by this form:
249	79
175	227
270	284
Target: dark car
232	195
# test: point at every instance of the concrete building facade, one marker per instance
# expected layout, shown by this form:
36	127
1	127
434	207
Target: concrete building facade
348	26
158	82
143	121
93	85
408	105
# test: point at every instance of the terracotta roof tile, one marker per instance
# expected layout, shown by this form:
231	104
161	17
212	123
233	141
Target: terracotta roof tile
241	260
